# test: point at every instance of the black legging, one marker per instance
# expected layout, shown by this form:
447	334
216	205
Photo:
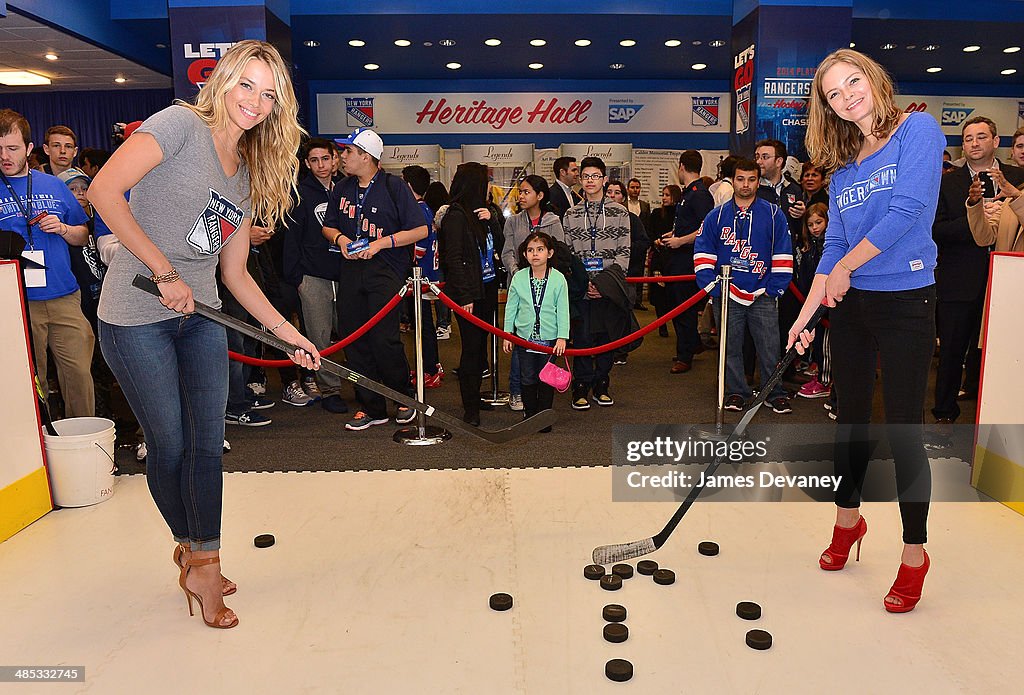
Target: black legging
899	329
474	344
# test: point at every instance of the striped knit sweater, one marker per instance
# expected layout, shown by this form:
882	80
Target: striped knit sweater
610	237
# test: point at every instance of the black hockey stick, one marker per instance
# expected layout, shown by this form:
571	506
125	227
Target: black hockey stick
530	425
608	554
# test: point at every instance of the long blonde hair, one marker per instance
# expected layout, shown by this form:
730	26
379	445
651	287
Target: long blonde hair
833	142
268	149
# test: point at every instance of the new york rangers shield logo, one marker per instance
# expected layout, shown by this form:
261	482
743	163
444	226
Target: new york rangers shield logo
705	111
215	225
359	112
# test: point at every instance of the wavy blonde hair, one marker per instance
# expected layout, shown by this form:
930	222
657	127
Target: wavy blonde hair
833	142
268	149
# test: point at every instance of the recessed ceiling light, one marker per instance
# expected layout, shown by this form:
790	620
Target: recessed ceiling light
698	66
582	42
717	43
853	45
911	47
971	49
672	43
930	47
1011	49
161	45
428	44
21	78
403	42
934	69
446	42
493	42
617	66
120	80
538	42
696	43
310	44
1008	71
51	56
357	43
536	66
371	66
453	66
627	43
888	46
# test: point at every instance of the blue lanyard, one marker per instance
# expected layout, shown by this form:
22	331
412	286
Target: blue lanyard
538	298
360	200
26	209
529	222
592	225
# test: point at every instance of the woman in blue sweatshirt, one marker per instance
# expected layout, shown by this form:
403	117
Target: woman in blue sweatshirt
877	272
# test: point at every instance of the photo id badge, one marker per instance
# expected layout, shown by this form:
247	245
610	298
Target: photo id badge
593	264
34	277
738	263
357	246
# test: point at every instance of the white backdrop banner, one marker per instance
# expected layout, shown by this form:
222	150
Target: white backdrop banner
502	112
498	155
951	112
544	163
611	154
404	155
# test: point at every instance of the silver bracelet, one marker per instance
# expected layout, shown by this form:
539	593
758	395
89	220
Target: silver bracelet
283	322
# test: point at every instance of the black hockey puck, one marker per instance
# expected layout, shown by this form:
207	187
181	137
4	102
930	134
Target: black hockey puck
500	602
646	567
616	632
618	670
614	613
264	540
748	610
664	577
623	570
594	572
708	548
611	582
759	639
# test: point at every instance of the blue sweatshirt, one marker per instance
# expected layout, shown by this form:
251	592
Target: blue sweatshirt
889	199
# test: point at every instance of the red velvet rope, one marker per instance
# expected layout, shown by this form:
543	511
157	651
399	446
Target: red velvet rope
662	278
576	352
328	351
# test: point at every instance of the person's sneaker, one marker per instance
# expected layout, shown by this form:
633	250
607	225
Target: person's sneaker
444	332
257	387
620	361
250	418
311	388
404	415
515	402
734	403
832	413
261	404
294	395
486	373
431	381
603	399
781	405
815	389
334	404
363	421
141	452
227	446
404	326
580	402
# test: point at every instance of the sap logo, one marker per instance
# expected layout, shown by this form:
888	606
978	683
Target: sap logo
914	107
955	117
623	114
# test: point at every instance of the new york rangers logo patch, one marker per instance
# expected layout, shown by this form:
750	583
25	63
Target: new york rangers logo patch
359	112
705	111
215	225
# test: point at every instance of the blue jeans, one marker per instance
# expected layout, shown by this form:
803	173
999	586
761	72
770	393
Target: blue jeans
762	318
515	387
174	374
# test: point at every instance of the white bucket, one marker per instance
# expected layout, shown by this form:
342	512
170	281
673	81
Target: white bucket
80	461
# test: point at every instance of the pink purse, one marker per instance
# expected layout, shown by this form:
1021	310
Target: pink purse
556	377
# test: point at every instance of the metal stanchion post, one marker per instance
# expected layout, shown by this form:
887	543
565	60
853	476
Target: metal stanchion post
494	396
422	434
719	431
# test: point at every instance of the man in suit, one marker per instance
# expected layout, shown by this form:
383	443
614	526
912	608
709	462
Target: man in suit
567	175
962	272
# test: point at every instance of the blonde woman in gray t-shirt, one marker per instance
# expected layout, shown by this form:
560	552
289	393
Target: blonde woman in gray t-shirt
198	174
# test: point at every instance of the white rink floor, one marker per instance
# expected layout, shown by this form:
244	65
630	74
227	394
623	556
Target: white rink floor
379	583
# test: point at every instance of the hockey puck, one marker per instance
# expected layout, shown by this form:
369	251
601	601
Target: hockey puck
759	639
616	632
594	572
623	570
664	577
264	540
611	582
646	567
500	602
618	670
748	610
708	548
614	613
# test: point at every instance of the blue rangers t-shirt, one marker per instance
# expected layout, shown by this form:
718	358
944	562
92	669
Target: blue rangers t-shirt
51	196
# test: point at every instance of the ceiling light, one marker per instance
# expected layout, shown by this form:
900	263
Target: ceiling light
310	44
371	66
1011	49
696	43
934	69
930	47
888	46
428	44
493	42
971	49
120	80
356	43
717	43
911	47
161	45
51	56
672	43
627	43
403	42
538	42
698	66
582	42
21	78
1008	71
453	66
446	42
536	66
617	66
853	45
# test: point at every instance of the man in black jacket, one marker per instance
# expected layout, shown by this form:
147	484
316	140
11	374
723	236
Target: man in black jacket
962	272
567	175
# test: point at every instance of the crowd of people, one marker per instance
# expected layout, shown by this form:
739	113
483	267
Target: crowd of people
877	225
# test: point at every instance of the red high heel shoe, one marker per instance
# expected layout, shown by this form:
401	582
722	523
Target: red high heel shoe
907	587
842	541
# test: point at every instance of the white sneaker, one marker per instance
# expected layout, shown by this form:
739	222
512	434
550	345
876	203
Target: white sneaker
515	402
294	395
444	332
227	446
311	388
257	388
140	452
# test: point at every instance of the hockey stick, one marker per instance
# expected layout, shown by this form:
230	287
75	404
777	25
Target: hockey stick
530	425
607	554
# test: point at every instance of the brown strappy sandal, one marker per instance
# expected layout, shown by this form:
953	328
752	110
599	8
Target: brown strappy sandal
229	587
189	594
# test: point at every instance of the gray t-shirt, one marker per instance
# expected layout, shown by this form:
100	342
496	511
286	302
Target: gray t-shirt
189	209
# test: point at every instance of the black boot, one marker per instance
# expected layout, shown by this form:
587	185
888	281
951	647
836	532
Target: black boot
530	400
